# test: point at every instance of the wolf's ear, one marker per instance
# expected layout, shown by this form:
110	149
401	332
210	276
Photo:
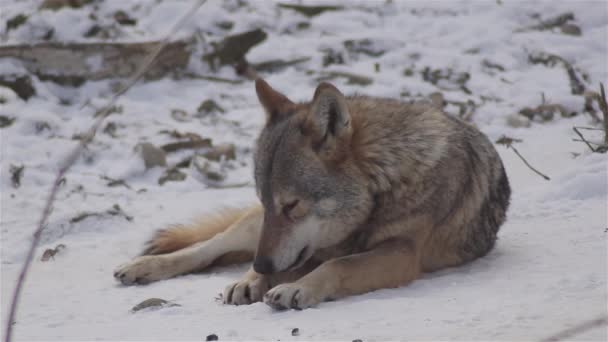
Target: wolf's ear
275	103
329	120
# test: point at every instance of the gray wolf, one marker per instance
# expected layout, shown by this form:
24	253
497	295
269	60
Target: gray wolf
357	194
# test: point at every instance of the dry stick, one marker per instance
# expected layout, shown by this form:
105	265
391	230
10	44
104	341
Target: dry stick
583	138
604	109
581	328
528	164
73	156
590	142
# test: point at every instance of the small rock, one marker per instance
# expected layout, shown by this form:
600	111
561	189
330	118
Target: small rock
123	18
210	173
219	152
93	31
179	135
364	46
16	174
183	145
302	25
277	65
110	129
518	121
357	340
179	115
41	126
6	121
233	48
225	25
21	85
332	57
437	100
57	4
153	303
571	29
546	112
295	332
49	34
210	106
16	21
172	175
310	11
212	337
152	155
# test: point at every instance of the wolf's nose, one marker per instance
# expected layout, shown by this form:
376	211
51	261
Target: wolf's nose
263	265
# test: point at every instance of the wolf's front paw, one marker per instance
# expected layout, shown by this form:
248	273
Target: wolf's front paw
144	270
292	296
248	290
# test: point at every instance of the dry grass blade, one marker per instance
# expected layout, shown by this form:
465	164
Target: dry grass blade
575	129
603	104
604	109
528	164
568	334
67	163
508	142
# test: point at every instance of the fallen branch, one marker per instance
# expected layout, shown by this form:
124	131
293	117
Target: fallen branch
71	159
577	87
69	64
181	145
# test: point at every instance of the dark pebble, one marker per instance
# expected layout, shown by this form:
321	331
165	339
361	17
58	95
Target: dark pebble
295	332
212	337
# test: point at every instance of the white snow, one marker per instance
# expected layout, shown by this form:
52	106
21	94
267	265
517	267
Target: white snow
547	272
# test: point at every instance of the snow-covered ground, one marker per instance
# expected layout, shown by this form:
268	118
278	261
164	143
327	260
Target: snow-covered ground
547	272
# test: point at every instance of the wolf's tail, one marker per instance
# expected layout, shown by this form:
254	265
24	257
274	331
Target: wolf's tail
180	236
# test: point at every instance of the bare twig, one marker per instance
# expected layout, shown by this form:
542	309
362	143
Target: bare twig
575	129
590	142
528	164
601	99
604	109
508	142
71	159
576	330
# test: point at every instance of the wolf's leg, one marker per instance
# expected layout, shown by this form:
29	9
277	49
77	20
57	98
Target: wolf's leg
391	264
237	243
253	286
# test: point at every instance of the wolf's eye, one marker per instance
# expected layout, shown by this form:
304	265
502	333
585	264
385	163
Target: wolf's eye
288	208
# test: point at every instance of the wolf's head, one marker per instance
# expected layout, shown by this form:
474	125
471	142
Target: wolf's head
305	177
